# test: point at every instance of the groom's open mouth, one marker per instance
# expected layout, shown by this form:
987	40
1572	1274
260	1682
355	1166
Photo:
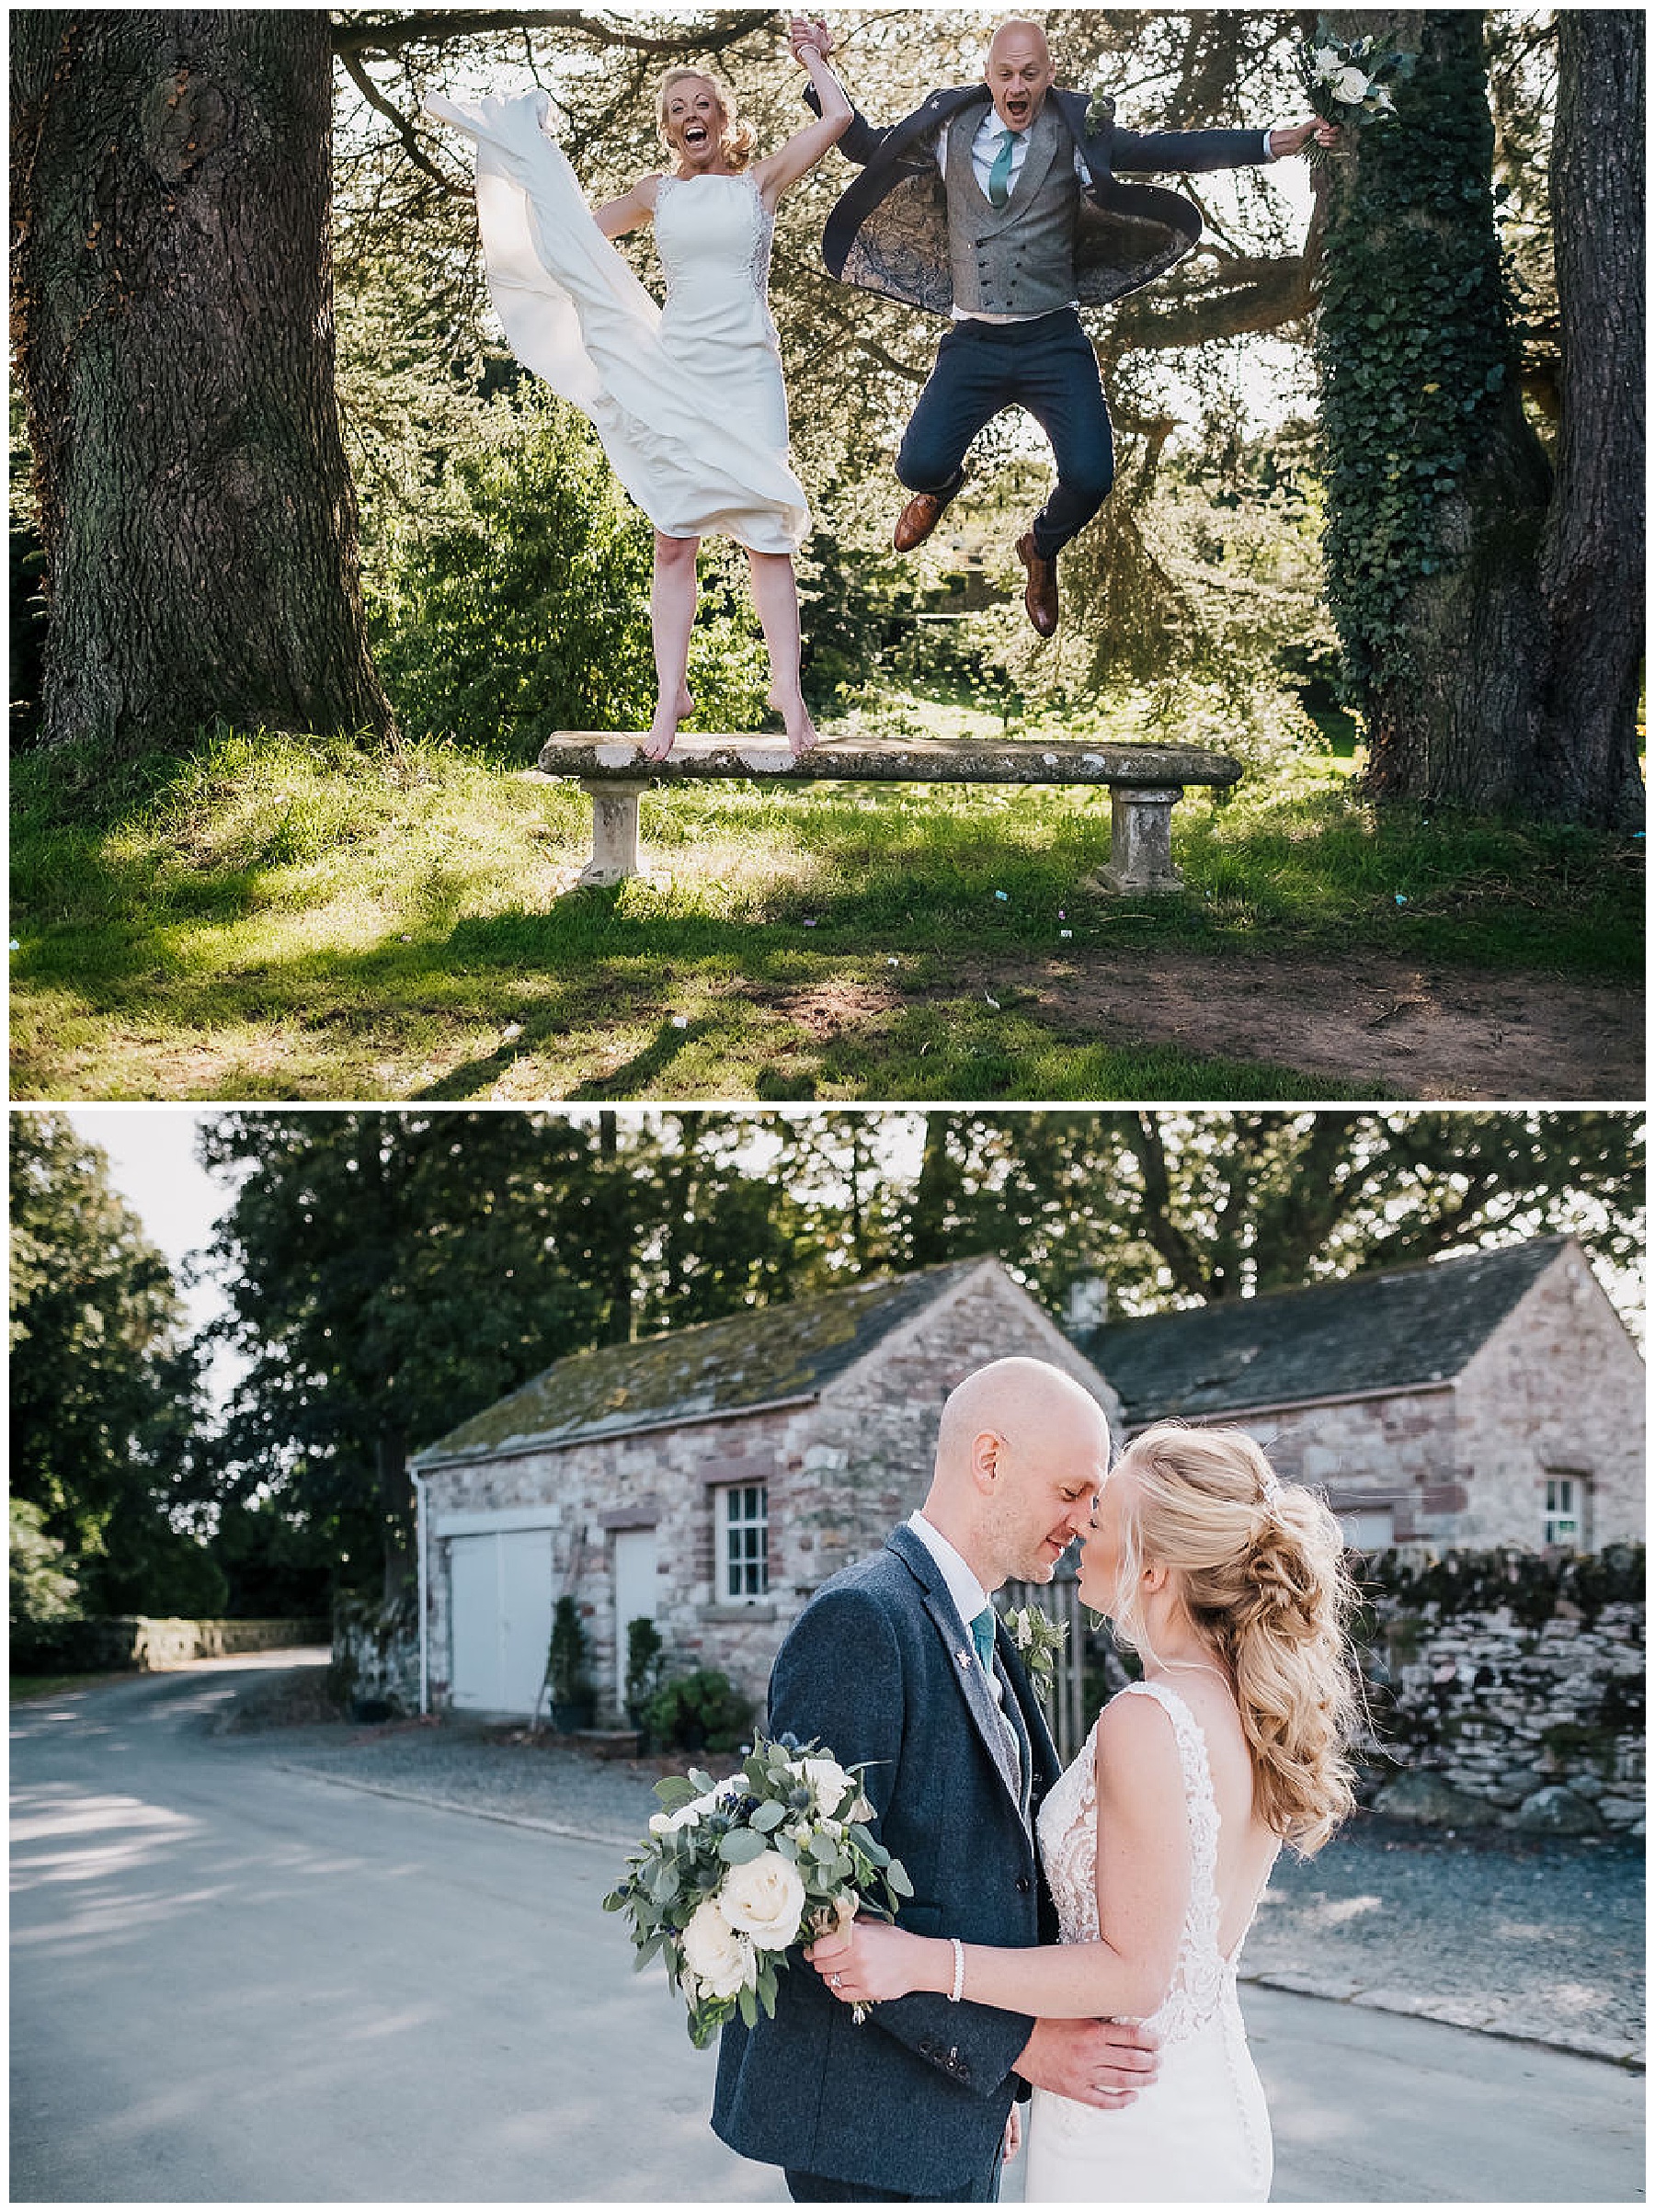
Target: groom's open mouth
1017	108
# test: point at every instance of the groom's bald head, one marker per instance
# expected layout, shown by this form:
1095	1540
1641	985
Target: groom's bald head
1022	1453
1019	71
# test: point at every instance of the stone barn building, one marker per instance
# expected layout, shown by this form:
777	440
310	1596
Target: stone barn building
1495	1399
710	1479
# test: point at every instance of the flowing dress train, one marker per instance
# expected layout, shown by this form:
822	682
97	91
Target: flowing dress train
688	399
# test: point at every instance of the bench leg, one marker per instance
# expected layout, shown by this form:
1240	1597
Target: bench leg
614	832
1140	840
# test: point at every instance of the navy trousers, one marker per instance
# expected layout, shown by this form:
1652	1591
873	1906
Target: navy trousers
1046	365
818	2189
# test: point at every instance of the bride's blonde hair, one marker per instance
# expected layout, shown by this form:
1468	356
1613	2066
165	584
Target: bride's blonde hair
736	136
1260	1568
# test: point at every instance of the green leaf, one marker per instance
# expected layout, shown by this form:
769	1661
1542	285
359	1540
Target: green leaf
675	1790
768	1818
740	1846
896	1874
749	2007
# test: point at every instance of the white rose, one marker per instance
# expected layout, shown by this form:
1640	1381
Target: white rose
764	1899
1328	62
1351	86
714	1953
1383	100
827	1779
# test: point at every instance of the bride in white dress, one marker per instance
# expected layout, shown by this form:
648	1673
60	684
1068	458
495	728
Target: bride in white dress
687	398
1158	1841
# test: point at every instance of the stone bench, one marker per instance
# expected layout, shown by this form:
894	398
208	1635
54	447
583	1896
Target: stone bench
1145	783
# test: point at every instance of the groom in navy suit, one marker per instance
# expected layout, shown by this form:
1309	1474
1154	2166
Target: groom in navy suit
899	1661
999	204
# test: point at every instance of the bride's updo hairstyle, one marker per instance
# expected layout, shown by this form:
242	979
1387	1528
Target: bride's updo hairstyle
1259	1566
736	137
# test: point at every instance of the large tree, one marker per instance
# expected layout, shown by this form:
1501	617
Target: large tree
1491	607
104	1391
173	315
390	1273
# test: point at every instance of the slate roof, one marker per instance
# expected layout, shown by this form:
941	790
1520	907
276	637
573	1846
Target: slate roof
759	1357
1391	1329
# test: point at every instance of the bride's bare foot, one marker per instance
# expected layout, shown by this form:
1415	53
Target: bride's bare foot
663	728
795	720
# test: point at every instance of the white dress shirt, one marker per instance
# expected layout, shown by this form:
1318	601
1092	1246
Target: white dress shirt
968	1595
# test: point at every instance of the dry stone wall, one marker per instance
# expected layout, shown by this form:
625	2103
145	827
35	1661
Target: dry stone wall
1508	1689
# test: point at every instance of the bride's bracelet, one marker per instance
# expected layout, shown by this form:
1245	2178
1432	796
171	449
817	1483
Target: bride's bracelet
958	1990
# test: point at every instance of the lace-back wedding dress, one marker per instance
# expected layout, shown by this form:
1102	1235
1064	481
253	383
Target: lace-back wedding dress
1200	2133
688	399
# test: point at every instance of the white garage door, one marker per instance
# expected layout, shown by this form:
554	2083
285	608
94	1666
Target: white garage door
635	1588
501	1590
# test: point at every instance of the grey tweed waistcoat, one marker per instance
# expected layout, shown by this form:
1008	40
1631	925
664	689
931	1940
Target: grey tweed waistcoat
1019	259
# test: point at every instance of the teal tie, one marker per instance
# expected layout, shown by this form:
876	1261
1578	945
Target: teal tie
999	177
982	1636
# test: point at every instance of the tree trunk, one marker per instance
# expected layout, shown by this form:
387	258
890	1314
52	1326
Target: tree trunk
1437	484
1491	621
1591	560
172	297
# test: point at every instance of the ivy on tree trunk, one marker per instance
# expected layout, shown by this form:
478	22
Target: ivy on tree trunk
1490	619
173	310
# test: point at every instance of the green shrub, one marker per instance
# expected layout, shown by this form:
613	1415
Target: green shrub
643	1661
567	1656
519	603
702	1711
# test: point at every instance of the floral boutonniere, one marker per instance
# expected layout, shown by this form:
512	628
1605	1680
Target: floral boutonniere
1100	110
1039	1639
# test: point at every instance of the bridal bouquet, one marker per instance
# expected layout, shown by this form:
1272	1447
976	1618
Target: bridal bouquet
1350	81
733	1874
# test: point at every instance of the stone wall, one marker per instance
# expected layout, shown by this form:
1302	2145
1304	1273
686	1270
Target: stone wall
1400	1449
376	1653
1558	1389
145	1642
1508	1689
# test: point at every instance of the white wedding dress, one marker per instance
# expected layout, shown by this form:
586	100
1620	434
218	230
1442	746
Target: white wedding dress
688	399
1200	2134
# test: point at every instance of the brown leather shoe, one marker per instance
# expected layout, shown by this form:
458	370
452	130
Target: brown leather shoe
918	518
1040	595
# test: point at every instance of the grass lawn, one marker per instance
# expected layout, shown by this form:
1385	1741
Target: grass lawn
277	917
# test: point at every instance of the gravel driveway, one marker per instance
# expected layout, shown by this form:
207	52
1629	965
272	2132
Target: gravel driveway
1540	1938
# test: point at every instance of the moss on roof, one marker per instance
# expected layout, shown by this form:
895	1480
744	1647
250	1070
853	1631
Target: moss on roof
1391	1329
747	1359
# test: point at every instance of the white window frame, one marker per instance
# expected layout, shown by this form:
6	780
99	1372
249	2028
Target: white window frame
742	1522
1568	1501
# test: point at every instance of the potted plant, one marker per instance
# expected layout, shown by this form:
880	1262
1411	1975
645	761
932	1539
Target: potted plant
642	1667
573	1698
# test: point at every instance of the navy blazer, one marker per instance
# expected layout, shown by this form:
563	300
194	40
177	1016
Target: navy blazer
888	231
880	1666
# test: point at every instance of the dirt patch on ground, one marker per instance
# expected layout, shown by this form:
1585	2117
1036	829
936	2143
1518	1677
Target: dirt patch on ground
827	1010
1396	1029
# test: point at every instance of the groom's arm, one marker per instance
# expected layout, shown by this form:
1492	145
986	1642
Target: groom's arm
1189	153
862	139
839	1677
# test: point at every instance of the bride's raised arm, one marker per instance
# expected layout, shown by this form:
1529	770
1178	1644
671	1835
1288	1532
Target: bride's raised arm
629	210
811	45
1142	1888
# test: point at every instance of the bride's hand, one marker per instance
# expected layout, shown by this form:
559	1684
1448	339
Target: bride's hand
869	1962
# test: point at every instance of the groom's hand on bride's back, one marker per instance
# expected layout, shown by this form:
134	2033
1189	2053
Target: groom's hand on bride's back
1100	2062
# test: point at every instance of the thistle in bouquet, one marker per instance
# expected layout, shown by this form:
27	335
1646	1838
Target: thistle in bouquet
1349	82
733	1874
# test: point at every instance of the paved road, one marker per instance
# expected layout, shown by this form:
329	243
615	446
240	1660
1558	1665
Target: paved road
237	1984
